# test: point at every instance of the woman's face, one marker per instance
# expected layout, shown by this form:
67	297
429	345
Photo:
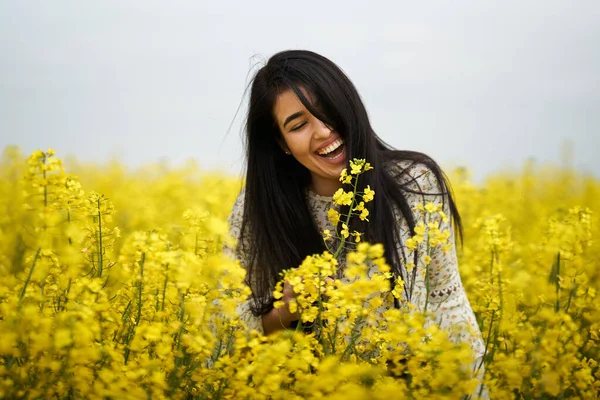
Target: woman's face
311	142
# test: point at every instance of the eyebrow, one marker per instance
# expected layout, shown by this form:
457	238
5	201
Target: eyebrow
292	117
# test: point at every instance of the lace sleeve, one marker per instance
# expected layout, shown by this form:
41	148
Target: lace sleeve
235	225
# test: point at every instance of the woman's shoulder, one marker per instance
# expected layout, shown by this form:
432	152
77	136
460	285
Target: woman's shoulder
417	177
242	240
237	212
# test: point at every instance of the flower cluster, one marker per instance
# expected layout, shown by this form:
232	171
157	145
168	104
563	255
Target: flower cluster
79	318
123	292
355	200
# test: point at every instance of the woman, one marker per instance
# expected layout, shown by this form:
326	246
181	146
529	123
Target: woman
305	121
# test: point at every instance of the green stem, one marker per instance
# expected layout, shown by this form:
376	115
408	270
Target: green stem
492	268
140	289
501	312
156	298
427	283
37	254
320	314
140	286
99	240
179	360
45	186
341	245
557	305
124	318
487	341
164	291
353	339
332	339
69	223
571	294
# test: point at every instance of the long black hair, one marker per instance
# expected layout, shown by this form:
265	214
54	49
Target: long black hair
277	225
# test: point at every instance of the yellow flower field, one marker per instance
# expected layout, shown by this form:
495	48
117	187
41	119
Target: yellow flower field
113	284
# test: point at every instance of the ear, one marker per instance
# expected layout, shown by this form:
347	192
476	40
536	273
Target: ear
284	147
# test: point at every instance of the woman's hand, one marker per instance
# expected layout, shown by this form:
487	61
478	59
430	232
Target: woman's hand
281	318
288	295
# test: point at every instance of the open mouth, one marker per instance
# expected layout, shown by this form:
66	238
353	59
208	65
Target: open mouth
333	151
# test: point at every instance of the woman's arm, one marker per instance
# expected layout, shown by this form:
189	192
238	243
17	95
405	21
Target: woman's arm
452	310
234	220
275	319
447	299
280	318
439	289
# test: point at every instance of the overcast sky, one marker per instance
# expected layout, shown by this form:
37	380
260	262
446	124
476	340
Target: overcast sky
476	83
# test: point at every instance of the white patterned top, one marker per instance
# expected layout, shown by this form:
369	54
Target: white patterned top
447	298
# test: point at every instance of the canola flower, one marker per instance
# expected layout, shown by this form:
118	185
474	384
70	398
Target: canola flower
113	285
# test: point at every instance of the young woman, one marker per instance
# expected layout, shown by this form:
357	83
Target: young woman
305	122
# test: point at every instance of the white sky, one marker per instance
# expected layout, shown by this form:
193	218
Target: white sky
480	84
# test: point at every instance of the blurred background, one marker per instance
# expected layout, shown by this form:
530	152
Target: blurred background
477	84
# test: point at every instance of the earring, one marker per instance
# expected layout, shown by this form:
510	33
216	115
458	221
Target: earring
288	152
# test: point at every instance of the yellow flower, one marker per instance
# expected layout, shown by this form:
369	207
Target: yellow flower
376	250
62	338
369	194
446	248
278	304
343	174
333	216
186	293
398	287
344	231
341	197
344	177
293	306
278	292
356	258
356	166
364	212
443	215
420	228
356	236
363	248
431	208
326	234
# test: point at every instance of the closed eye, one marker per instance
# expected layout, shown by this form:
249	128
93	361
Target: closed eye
298	127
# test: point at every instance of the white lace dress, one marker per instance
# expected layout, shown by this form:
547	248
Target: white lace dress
447	298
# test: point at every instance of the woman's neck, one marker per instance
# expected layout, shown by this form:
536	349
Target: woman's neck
324	187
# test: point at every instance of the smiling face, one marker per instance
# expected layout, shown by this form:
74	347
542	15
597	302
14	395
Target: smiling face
309	140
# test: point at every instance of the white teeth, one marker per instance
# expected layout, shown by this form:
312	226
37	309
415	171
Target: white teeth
331	147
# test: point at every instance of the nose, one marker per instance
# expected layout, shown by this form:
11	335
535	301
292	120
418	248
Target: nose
322	130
